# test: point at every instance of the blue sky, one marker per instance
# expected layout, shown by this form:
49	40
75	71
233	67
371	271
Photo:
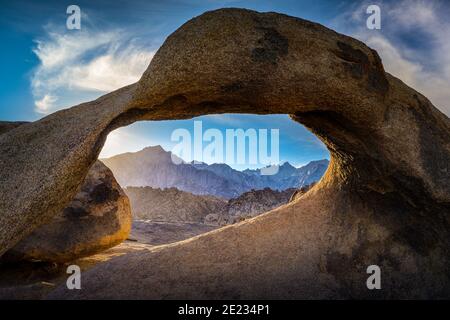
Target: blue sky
45	67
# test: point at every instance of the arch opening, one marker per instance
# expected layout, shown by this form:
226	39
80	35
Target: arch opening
237	166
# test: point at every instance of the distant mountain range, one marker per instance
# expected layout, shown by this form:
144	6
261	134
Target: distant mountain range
153	166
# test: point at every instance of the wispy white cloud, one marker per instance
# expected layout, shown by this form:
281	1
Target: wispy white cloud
59	49
82	64
423	23
110	71
45	104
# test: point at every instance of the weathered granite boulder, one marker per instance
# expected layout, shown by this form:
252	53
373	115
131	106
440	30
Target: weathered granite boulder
98	218
384	200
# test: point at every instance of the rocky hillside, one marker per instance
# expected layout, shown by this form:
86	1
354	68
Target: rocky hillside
250	204
174	206
153	166
171	205
255	202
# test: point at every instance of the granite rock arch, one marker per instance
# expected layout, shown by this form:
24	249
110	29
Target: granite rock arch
385	198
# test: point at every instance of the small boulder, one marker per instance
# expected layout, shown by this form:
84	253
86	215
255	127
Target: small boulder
99	217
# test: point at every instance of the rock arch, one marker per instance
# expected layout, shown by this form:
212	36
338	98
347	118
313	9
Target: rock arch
384	200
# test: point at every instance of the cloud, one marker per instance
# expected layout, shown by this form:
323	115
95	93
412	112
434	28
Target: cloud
413	44
78	65
111	70
45	104
60	49
414	13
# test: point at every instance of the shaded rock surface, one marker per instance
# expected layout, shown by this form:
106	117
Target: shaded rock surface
158	233
385	198
98	218
35	280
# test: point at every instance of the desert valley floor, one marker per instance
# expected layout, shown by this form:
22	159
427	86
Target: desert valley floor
33	280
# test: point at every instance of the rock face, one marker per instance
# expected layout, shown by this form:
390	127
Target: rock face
248	205
98	218
257	201
384	200
171	205
153	166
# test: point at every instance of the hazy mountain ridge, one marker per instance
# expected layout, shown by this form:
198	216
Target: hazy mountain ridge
153	166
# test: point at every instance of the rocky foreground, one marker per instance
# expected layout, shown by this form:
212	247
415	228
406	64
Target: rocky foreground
36	279
99	218
384	200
